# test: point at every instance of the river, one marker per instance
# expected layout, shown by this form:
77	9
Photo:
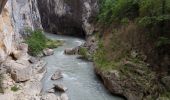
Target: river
79	76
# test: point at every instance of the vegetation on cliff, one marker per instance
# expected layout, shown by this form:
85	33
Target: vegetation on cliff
151	15
136	25
135	42
37	41
15	88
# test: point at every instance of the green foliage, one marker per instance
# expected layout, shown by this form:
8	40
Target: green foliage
150	7
153	12
165	95
151	15
36	42
162	41
15	88
115	10
125	21
53	43
101	59
84	53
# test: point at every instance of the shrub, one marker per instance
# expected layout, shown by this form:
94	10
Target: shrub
14	88
116	10
84	53
36	42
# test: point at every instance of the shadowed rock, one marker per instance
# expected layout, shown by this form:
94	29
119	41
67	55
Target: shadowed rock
71	17
60	87
2	4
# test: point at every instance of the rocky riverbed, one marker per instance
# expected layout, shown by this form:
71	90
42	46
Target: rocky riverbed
74	77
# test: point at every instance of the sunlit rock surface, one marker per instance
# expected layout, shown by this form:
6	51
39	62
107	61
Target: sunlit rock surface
16	16
6	33
25	15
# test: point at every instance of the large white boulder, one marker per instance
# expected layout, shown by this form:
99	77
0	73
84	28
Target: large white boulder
20	70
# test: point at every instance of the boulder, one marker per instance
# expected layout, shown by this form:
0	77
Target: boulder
64	96
18	54
20	70
69	51
57	75
21	52
60	87
23	62
48	52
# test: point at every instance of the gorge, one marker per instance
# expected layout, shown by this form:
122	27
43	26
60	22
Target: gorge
104	49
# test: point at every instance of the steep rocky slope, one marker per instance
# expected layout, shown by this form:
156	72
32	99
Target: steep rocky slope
24	14
17	16
14	60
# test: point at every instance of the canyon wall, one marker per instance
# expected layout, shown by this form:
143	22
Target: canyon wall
15	17
24	14
6	31
72	17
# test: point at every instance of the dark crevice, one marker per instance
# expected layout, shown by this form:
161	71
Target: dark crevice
66	24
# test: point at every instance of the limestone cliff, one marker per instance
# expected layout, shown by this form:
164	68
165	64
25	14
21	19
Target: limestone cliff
73	17
15	17
24	14
6	32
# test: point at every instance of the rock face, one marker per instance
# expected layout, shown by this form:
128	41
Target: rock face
6	32
24	14
2	4
71	17
15	17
